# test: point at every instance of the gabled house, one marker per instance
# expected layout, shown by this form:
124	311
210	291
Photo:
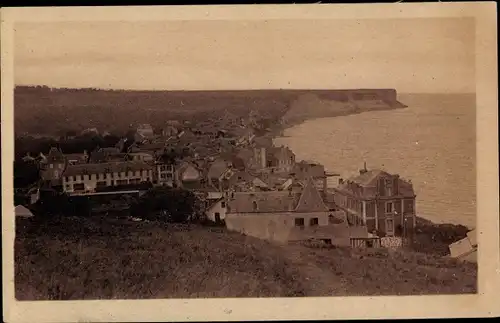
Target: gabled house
78	158
105	155
273	215
278	159
145	131
216	210
169	131
307	169
53	166
145	156
185	136
189	176
383	202
282	159
217	171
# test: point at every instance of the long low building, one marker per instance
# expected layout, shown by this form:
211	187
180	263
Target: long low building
88	177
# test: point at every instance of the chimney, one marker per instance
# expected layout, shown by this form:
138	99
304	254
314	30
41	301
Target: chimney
364	170
263	161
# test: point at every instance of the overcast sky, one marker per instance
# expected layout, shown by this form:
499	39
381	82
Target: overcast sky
411	55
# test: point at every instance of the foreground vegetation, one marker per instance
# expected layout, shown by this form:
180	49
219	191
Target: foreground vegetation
101	258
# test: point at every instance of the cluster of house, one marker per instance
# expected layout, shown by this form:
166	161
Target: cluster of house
254	187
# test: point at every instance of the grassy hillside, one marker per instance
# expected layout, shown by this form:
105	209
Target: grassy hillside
103	258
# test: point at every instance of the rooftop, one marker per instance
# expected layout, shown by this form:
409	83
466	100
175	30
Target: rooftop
110	167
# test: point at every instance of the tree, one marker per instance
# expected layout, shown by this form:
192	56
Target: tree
167	204
53	204
26	173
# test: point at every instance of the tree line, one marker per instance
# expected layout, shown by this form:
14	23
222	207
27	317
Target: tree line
162	204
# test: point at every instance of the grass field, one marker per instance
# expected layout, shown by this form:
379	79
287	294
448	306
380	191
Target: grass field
97	258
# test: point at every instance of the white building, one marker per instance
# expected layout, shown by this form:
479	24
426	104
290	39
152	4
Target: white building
465	249
87	177
216	212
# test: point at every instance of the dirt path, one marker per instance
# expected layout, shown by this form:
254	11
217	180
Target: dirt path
317	281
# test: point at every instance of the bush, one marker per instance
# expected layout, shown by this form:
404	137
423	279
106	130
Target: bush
167	204
53	204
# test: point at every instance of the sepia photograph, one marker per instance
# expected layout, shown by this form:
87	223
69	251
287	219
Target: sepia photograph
222	158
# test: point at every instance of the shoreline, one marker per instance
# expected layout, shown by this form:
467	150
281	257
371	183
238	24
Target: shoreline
279	132
280	128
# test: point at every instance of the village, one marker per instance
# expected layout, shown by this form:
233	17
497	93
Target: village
246	183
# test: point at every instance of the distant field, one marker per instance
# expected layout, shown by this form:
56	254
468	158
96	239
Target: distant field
67	109
116	110
102	258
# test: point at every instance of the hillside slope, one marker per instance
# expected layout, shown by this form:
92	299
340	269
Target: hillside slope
102	258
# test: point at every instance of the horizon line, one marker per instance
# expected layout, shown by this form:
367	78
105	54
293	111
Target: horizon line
229	90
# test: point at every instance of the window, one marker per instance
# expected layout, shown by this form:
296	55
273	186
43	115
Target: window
85	177
138	173
56	173
388	187
299	222
409	205
101	184
327	241
163	167
169	168
69	187
79	187
169	175
254	204
313	222
162	176
130	174
223	204
121	182
389	227
389	207
78	178
70	178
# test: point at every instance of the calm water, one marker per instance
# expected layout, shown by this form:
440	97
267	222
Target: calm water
432	142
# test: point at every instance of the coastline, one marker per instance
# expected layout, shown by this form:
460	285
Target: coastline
458	230
279	129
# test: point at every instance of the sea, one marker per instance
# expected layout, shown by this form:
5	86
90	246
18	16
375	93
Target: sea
432	143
